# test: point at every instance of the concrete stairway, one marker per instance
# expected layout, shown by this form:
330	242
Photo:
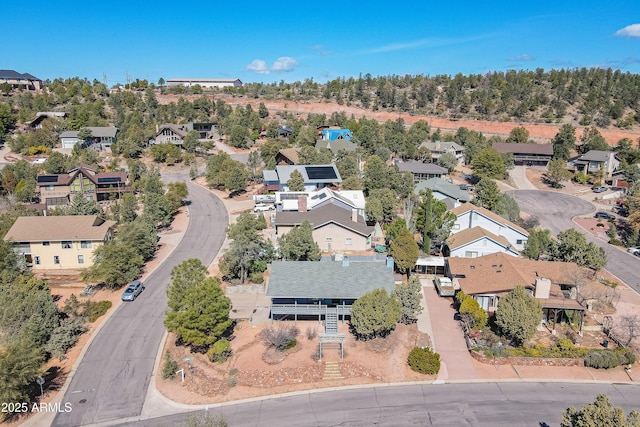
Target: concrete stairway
332	371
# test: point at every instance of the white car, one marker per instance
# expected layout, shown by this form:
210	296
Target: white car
262	207
635	251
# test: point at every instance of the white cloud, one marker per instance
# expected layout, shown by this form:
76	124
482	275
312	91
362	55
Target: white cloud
631	31
521	58
284	63
258	66
320	49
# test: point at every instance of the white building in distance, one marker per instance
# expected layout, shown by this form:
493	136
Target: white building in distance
205	82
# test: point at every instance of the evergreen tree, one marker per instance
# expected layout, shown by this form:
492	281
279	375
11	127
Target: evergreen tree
82	205
298	244
409	294
296	181
602	412
564	142
375	314
487	194
518	315
404	251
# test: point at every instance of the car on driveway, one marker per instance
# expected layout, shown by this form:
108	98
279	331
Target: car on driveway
133	290
263	207
599	189
634	251
604	215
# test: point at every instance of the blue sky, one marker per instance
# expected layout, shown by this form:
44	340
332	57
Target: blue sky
321	40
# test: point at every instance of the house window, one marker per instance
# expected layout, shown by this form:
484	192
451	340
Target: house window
45	243
36	260
329	239
347	242
85	244
471	254
49	187
80	259
66	244
519	242
56	259
455	227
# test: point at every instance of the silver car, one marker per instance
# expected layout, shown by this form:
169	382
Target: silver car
133	290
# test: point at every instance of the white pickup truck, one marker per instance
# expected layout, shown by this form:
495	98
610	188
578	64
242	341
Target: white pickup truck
444	286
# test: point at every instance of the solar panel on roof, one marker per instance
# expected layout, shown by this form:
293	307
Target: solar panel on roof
47	178
321	172
108	180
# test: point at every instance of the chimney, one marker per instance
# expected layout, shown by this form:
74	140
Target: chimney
354	215
543	287
302	203
345	261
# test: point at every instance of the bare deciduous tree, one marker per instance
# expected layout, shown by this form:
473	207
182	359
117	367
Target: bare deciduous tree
629	327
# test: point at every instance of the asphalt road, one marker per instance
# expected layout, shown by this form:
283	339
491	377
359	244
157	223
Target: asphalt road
477	404
555	211
112	380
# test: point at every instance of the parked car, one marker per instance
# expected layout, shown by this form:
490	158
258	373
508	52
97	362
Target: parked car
262	207
635	251
133	290
604	215
599	189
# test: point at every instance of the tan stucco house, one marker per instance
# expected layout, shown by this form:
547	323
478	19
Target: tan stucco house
59	242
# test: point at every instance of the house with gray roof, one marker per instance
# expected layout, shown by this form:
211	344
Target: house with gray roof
334	228
336	145
451	194
311	288
314	176
102	137
421	171
596	161
526	154
20	80
438	148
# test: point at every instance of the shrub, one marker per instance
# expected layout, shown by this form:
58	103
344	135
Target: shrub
220	351
312	333
605	359
93	310
280	337
169	367
375	315
474	315
423	360
256	278
65	336
231	382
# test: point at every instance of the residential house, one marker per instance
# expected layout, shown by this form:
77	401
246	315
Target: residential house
597	161
314	176
421	171
41	116
101	138
218	83
469	215
438	148
451	194
526	154
20	80
59	242
475	242
490	277
334	228
337	145
301	201
313	288
175	134
100	186
331	134
288	156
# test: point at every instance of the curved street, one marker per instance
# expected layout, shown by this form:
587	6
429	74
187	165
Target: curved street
112	379
532	404
556	210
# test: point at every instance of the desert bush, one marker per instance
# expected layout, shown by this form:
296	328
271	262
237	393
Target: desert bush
94	309
312	333
423	360
280	337
231	382
169	367
563	348
220	351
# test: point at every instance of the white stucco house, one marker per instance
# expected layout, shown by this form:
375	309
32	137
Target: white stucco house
475	242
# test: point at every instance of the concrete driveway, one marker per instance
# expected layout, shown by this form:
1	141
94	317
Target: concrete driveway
448	338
